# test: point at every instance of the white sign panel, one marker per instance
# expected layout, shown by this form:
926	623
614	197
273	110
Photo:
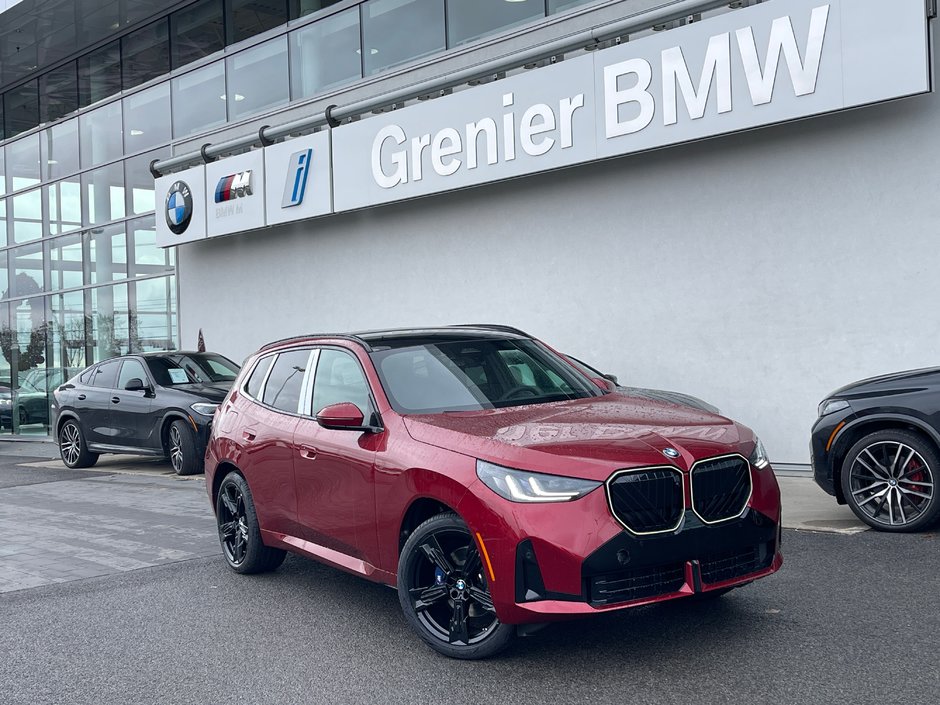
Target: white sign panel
181	207
298	178
235	194
778	61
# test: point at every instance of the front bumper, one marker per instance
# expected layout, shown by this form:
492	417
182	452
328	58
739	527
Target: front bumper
824	438
555	561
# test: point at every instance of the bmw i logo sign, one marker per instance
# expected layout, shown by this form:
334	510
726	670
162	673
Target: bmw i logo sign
670	452
179	207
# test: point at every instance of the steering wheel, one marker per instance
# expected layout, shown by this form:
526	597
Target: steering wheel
516	391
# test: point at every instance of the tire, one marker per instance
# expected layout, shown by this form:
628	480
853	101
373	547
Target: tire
23	416
889	481
72	447
239	531
445	598
181	449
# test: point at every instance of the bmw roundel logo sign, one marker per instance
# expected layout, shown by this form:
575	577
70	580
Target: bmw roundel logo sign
179	207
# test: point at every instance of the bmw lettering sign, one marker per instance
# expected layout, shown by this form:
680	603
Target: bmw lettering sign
179	207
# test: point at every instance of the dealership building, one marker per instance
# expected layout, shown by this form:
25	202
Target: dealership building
732	199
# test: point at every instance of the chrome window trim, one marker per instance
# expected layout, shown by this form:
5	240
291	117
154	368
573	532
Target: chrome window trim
610	504
264	380
306	388
750	492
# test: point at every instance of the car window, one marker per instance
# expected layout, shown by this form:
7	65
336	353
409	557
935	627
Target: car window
282	390
131	369
208	368
167	372
105	374
253	387
340	379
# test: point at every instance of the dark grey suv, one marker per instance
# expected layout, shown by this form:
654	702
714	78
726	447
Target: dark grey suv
152	404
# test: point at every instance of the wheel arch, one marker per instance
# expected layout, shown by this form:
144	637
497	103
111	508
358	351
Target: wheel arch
419	511
222	470
63	417
168	418
858	429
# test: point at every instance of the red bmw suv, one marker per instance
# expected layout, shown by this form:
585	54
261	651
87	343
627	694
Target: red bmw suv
484	476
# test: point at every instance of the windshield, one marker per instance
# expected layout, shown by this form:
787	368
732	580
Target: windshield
475	374
192	369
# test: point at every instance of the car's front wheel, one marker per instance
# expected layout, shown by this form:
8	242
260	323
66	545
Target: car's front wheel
181	447
72	447
444	592
239	531
888	480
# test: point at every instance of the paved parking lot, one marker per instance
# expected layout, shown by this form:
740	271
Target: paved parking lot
850	618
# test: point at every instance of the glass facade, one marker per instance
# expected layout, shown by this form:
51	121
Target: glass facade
81	277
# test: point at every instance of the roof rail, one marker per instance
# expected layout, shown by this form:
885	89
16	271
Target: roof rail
335	336
492	326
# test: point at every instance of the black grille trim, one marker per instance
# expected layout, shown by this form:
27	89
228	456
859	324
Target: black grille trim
718	567
629	585
721	487
647	500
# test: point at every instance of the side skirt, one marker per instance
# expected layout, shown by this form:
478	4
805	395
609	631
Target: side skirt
328	556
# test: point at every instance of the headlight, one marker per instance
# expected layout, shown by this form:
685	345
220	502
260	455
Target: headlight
759	457
204	408
522	486
829	406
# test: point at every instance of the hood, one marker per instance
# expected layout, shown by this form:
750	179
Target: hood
672	397
210	392
597	435
893	383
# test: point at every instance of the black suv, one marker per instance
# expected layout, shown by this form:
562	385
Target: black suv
152	404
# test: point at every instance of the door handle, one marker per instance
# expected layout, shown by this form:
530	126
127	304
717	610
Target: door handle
81	397
116	400
308	452
248	435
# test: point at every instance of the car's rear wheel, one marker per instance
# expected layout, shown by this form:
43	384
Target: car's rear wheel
444	593
239	531
181	447
889	481
72	446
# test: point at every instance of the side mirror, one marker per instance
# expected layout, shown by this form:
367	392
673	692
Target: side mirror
612	378
604	384
343	416
135	385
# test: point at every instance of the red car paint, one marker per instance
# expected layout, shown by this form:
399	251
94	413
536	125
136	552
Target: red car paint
342	496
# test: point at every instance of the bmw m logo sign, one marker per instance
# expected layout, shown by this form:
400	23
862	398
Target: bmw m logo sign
179	207
298	170
233	186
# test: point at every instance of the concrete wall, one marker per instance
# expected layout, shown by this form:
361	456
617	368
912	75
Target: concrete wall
757	271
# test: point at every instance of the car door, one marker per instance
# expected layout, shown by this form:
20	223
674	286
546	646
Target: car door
333	469
130	411
93	403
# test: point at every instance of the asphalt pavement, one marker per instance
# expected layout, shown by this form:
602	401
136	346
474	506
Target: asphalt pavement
851	617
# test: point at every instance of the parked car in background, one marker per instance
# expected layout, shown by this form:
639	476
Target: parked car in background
876	447
31	401
152	404
489	480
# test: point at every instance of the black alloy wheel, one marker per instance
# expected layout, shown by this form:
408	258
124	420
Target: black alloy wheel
444	593
72	448
181	448
888	480
239	532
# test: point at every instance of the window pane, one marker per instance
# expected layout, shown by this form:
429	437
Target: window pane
105	254
131	369
110	326
139	181
146	53
103	191
325	54
99	74
28	320
396	31
21	108
250	17
340	379
100	134
257	78
257	376
283	388
59	150
154	320
26	216
67	329
26	263
22	163
64	199
4	274
302	8
3	166
3	224
106	374
146	258
470	20
65	262
199	100
559	5
196	31
58	93
145	123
